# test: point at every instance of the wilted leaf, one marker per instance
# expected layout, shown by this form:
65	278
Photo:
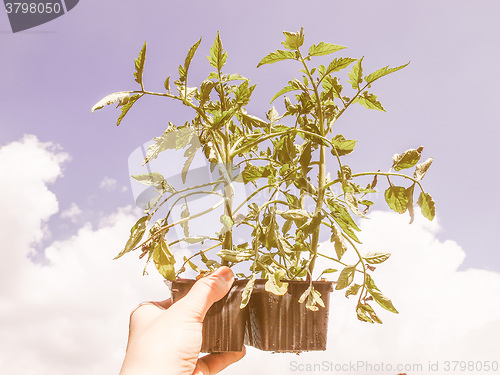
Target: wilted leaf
226	221
298	214
121	97
155	180
185	224
352	290
427	205
275	285
164	260
136	234
324	49
396	198
339	243
409	205
235	255
376	257
421	169
247	291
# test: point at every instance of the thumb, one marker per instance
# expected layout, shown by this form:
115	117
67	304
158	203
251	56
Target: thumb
208	290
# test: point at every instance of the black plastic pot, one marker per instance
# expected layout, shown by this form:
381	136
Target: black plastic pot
225	323
281	324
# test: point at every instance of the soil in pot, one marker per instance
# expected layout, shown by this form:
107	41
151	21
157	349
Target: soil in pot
282	324
225	323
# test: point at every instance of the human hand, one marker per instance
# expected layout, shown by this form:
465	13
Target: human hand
165	338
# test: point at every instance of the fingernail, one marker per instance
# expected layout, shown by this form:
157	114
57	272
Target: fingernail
224	273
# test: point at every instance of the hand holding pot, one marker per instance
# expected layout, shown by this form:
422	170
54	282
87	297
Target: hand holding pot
165	338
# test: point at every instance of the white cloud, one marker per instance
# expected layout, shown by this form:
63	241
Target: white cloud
70	315
108	184
72	213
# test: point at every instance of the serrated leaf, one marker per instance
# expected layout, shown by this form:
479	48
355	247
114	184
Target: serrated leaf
164	260
322	49
339	64
346	277
139	66
427	205
406	160
243	93
382	72
356	74
275	284
376	257
343	146
332	85
247	291
217	56
183	70
127	106
284	90
369	101
121	97
279	55
136	234
293	41
396	198
421	169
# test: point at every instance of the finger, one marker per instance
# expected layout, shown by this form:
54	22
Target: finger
208	290
214	363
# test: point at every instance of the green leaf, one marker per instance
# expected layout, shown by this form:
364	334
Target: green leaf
346	277
121	97
369	101
324	49
279	55
333	85
339	64
275	285
407	160
378	296
243	93
382	72
217	56
183	70
356	75
427	205
293	41
361	313
376	257
247	291
284	90
421	169
139	66
396	198
164	260
352	290
166	84
343	146
185	224
127	106
136	234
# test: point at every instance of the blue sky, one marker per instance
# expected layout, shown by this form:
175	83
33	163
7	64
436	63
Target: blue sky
76	163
